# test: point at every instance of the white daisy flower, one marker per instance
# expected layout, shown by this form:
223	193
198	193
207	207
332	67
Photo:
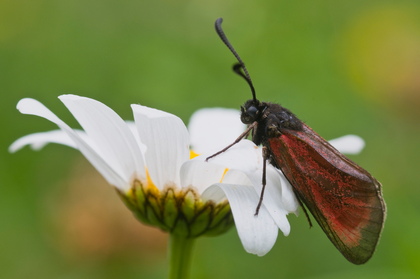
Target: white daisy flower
164	183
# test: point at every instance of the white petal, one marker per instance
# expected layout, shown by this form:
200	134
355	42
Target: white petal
133	128
257	233
212	129
245	156
235	177
111	135
39	140
349	144
278	198
167	142
33	107
289	199
201	175
213	193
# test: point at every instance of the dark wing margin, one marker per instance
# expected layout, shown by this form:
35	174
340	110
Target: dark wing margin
344	198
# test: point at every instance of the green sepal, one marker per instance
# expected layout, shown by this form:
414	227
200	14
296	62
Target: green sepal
182	228
170	209
153	213
180	213
222	221
140	197
201	221
219	214
153	204
188	206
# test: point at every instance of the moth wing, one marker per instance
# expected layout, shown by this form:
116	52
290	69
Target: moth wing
344	198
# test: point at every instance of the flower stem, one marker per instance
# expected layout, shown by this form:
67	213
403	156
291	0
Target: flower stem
180	250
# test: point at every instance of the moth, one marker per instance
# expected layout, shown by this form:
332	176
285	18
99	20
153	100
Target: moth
344	198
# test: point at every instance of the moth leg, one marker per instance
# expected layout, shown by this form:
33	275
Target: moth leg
243	135
266	155
303	208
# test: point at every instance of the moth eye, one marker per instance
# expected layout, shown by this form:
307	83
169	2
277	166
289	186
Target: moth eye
252	111
250	115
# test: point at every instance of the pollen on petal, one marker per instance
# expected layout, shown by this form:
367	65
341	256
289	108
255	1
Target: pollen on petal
223	175
193	154
150	186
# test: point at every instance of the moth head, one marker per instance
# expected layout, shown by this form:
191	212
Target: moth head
251	111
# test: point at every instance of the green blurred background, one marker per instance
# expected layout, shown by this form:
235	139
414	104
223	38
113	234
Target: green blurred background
342	66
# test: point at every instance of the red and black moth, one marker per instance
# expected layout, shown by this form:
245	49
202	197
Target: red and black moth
344	199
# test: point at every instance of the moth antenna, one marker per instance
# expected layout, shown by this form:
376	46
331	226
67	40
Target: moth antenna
238	68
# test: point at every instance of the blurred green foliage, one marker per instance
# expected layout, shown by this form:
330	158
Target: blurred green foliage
342	66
